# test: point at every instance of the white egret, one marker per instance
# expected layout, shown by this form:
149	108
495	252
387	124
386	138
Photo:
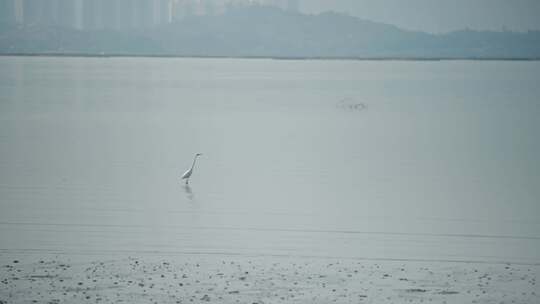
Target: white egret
188	173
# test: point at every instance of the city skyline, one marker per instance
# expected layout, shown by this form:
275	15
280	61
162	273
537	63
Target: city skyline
119	14
432	16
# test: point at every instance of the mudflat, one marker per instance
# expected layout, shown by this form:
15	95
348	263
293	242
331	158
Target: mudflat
51	278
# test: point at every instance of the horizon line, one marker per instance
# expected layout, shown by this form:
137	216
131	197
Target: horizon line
335	58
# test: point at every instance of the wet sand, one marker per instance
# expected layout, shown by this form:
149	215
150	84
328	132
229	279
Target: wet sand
60	278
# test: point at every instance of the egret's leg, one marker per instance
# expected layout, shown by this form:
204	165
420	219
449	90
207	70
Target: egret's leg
187	181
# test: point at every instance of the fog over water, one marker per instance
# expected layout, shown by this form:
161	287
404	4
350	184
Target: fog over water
361	159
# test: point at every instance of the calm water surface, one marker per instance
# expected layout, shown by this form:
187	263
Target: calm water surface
375	160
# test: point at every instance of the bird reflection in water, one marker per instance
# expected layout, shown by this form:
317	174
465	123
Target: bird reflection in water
189	193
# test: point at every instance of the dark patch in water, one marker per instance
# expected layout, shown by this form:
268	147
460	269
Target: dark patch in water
415	290
43	276
350	105
448	292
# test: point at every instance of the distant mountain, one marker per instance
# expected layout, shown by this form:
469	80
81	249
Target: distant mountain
256	31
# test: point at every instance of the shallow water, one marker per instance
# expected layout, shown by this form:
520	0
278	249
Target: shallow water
433	161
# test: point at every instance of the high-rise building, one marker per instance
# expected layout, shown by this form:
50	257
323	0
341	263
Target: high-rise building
293	5
109	14
183	8
219	7
4	11
143	13
18	7
78	14
119	14
7	11
161	12
33	11
164	11
198	7
89	14
65	14
50	12
124	14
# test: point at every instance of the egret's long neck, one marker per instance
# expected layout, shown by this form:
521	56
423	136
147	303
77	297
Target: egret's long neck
194	160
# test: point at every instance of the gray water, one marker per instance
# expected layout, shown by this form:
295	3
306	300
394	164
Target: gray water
432	161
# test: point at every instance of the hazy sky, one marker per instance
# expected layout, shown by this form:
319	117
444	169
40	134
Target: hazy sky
438	15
